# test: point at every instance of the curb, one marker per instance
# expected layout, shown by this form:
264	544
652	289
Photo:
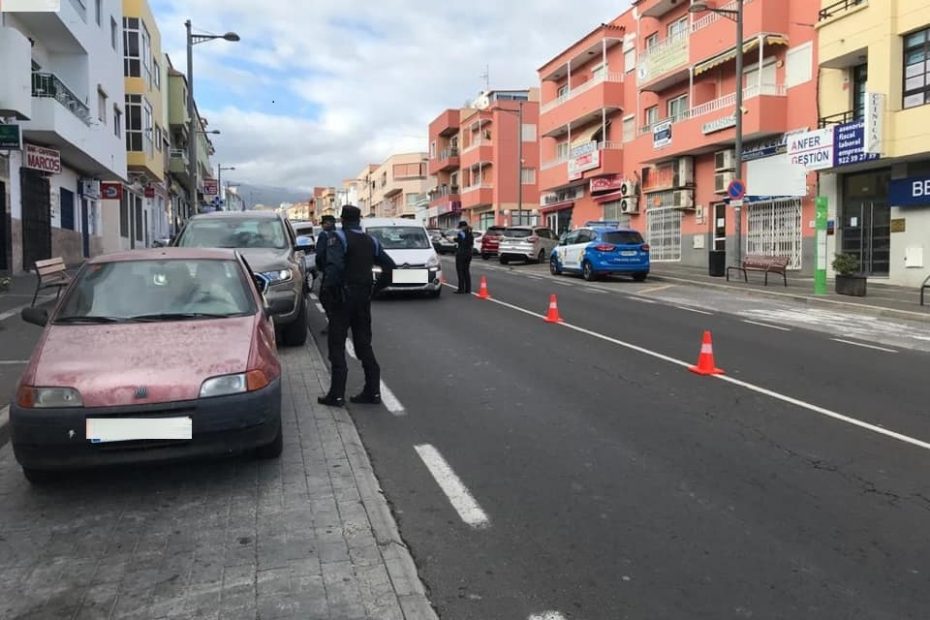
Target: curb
865	309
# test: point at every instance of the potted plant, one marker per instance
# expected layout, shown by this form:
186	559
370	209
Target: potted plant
848	279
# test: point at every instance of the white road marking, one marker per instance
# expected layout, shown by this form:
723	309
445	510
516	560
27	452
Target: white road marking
563	283
656	289
641	300
749	386
589	289
695	310
547	615
319	307
15	311
458	494
534	278
863	345
314	297
390	401
13	362
778	327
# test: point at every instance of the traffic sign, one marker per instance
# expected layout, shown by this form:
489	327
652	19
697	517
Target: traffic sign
736	189
211	187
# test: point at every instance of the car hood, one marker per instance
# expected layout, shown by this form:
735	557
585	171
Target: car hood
107	364
411	257
266	259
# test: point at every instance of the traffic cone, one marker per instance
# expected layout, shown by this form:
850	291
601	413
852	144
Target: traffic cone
553	315
483	291
706	365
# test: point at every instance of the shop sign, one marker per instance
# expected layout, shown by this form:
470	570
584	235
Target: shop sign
11	138
42	159
149	191
812	149
719	125
90	188
874	122
910	192
662	134
849	144
606	183
111	191
210	187
583	157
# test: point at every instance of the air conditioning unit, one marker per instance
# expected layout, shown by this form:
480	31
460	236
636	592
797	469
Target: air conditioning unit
629	205
724	160
722	180
685	170
628	188
683	199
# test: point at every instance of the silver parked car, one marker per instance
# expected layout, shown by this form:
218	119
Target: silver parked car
527	243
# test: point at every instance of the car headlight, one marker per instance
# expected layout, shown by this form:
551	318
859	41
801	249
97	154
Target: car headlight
275	277
432	262
48	398
240	383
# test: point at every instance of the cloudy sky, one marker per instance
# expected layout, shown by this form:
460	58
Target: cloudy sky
318	88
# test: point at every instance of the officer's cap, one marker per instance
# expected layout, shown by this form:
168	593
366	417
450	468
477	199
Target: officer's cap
350	212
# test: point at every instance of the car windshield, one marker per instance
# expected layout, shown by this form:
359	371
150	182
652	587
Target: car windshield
518	232
401	237
157	290
495	230
622	237
234	233
304	229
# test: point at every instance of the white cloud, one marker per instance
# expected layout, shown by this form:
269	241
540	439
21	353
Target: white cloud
355	80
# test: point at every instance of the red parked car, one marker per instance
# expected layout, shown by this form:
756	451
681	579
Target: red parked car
151	355
491	241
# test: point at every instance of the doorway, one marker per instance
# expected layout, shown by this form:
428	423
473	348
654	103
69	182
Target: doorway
720	227
37	217
866	221
4	231
85	227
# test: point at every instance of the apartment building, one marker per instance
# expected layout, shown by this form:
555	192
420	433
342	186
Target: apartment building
874	121
61	92
638	126
366	189
399	185
484	161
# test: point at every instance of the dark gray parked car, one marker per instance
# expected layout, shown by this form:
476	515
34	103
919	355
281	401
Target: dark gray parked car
269	245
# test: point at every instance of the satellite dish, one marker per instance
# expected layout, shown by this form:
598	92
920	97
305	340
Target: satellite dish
483	102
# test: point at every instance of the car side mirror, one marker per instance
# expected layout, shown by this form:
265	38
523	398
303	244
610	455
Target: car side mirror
36	316
261	283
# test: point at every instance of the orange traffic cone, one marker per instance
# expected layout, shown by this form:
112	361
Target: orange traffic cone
553	315
483	291
706	365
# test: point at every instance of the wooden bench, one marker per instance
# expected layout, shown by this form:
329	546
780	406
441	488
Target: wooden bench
760	262
52	273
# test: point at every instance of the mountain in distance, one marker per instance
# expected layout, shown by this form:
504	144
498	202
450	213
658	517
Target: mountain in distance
270	196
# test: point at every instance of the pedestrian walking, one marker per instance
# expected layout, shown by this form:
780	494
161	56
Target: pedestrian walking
350	257
328	223
465	244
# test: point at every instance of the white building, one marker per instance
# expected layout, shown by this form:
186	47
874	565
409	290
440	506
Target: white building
62	83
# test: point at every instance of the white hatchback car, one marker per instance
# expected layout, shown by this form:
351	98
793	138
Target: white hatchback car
409	246
527	243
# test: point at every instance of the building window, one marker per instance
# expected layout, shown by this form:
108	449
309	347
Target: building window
409	171
860	75
117	122
678	28
678	108
101	106
147	55
652	115
917	69
652	41
98	11
148	129
432	150
561	150
134	123
529	132
132	58
563	91
114	33
529	176
156	71
799	65
629	60
158	138
629	129
599	72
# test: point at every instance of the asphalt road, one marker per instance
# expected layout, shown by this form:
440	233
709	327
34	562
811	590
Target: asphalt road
590	474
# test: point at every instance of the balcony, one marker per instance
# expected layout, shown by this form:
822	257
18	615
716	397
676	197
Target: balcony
656	8
845	31
445	161
713	34
838	9
49	85
444	194
478	195
446	124
478	152
565	170
178	163
602	92
712	123
664	65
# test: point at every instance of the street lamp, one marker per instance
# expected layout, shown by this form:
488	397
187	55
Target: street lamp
219	178
737	16
192	40
519	113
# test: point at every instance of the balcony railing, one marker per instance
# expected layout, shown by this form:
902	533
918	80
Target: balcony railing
552	163
837	119
442	191
561	159
477	143
447	153
712	18
179	154
49	85
583	88
750	92
478	186
838	7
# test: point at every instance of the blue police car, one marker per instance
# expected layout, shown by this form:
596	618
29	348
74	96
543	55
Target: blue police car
601	249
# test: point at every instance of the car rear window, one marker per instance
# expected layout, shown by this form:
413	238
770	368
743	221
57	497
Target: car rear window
495	230
518	232
401	237
234	233
622	237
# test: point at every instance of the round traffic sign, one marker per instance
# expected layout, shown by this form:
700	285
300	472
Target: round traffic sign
736	190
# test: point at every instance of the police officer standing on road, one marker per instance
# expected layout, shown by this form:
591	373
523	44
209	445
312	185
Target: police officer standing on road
328	222
350	256
465	243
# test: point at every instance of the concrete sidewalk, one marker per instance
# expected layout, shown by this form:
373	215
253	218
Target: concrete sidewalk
881	300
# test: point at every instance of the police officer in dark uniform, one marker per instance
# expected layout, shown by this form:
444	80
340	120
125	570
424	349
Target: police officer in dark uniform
350	256
328	222
465	243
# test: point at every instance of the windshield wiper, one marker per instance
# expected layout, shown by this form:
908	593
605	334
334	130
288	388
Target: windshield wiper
179	316
88	319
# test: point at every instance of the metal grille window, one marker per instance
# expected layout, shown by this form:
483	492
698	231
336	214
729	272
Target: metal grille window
775	230
917	69
664	230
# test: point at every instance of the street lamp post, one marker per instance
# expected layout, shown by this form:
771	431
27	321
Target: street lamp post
219	180
737	16
192	132
519	113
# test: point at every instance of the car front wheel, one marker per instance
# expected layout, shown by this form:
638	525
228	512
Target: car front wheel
587	270
554	268
541	257
39	476
504	260
640	277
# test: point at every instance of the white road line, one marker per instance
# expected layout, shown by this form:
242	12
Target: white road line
314	297
694	310
563	282
15	311
458	494
547	615
535	278
656	289
588	289
4	415
749	386
13	362
778	327
390	401
319	307
641	300
863	345
350	349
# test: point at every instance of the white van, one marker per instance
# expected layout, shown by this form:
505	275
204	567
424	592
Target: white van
410	246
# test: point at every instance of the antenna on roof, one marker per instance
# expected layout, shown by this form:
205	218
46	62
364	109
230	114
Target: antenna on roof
486	76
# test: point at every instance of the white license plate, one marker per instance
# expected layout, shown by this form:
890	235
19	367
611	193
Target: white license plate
105	430
410	276
628	253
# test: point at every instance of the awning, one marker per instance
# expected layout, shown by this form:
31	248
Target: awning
586	135
557	206
748	46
